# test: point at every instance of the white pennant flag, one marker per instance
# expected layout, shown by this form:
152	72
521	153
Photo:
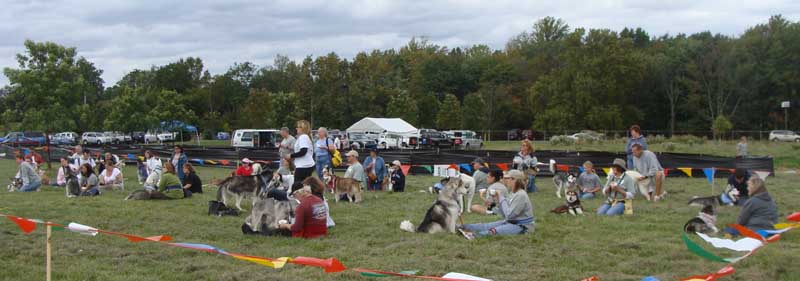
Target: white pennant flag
742	245
82	229
762	175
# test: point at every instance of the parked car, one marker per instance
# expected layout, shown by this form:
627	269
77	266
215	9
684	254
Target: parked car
69	138
97	138
784	135
17	140
583	137
256	138
434	138
465	139
165	136
117	137
409	140
223	136
137	137
389	140
11	135
150	137
361	141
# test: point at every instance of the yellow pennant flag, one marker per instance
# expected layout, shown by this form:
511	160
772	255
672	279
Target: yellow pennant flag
276	263
687	171
786	225
607	170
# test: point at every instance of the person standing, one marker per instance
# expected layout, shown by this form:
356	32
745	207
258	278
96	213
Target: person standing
323	148
286	147
741	148
635	138
376	170
525	162
30	179
646	163
177	160
397	177
303	153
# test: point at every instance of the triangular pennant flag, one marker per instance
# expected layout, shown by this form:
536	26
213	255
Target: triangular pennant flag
24	224
746	244
212	162
561	167
762	174
197	160
131	156
746	232
329	265
696	249
141	158
687	171
502	166
225	162
82	229
607	171
725	271
784	225
428	168
465	167
709	172
666	171
405	169
794	217
581	168
273	263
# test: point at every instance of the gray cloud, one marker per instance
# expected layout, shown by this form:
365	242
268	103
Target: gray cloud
121	36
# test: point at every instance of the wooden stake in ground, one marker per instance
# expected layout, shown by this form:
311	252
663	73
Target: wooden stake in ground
49	257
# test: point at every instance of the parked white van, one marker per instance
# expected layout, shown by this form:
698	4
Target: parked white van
256	138
389	140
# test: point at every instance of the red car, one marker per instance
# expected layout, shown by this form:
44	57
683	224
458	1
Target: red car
20	141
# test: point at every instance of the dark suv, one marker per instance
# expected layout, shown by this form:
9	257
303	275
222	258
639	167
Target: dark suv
433	138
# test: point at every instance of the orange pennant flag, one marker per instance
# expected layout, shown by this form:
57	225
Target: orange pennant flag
502	166
405	169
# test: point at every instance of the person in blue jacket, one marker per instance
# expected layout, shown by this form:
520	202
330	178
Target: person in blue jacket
177	160
376	170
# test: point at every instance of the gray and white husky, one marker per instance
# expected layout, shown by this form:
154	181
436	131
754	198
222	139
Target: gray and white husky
565	182
728	198
268	212
442	216
240	187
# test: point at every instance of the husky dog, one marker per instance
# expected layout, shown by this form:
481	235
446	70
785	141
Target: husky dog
267	213
573	204
729	197
282	182
72	188
704	222
350	187
388	182
14	185
467	183
240	187
146	194
565	182
442	216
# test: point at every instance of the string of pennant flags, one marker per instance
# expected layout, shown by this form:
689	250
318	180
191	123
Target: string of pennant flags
752	241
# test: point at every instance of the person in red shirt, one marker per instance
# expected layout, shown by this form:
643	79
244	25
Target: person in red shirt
246	169
311	215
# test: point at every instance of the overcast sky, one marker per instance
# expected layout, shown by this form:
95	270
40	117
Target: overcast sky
120	37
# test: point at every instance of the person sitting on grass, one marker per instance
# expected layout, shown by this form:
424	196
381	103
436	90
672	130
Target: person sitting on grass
88	181
170	184
31	181
311	216
759	212
494	179
618	189
588	181
739	180
192	183
246	169
111	178
517	211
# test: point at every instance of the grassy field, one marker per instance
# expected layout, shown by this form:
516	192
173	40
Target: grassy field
367	236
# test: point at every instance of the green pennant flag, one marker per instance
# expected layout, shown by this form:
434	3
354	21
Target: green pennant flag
428	168
694	248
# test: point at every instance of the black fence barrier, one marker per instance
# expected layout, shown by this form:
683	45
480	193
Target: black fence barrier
422	161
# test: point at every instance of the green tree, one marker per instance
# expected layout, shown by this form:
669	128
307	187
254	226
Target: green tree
402	106
449	116
721	126
475	112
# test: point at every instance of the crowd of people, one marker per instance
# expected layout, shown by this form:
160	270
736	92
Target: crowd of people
504	194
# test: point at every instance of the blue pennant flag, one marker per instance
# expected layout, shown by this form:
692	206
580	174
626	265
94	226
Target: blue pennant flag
709	174
465	167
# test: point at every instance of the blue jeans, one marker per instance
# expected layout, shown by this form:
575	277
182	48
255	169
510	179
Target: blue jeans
91	192
375	185
587	195
322	161
608	210
497	228
31	186
532	184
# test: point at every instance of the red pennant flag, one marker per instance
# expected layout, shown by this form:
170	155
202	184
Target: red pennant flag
24	224
502	166
453	166
562	167
405	169
725	271
774	238
794	217
746	232
666	171
224	162
329	265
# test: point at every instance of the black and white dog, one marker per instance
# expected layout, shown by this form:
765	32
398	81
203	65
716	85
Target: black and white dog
704	222
241	187
442	216
14	185
572	206
565	182
728	198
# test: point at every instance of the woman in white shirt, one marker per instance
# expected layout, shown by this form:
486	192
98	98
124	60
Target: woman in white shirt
111	178
303	156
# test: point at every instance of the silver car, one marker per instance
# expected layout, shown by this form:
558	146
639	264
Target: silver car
784	135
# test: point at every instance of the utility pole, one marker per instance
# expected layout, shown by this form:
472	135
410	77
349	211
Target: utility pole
785	105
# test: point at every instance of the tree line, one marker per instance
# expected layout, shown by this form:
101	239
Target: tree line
552	77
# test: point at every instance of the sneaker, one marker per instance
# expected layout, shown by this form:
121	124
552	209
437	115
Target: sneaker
468	235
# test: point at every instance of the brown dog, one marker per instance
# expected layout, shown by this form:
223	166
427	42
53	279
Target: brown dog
347	186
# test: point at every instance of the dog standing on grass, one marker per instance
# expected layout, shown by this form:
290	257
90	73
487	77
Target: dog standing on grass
240	187
443	214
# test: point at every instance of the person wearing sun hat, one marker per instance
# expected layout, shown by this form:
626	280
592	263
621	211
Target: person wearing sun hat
246	169
619	190
397	177
516	210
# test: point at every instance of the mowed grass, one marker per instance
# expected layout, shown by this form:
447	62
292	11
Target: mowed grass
367	236
785	154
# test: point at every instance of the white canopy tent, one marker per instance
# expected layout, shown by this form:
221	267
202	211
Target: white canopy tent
380	125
